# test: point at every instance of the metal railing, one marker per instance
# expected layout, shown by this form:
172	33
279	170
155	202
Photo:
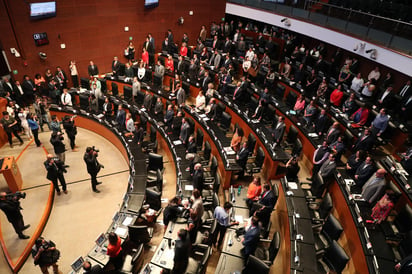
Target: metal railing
391	33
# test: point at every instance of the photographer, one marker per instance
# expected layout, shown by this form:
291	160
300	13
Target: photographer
45	254
10	126
55	169
11	207
71	130
93	166
56	140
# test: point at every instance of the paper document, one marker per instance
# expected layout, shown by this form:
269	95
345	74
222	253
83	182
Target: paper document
229	151
121	231
189	187
127	221
292	185
239	218
177	142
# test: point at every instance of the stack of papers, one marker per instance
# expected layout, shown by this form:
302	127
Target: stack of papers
177	142
292	185
229	151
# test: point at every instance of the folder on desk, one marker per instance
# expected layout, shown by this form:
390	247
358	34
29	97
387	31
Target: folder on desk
177	142
189	187
121	231
231	161
239	218
127	221
229	151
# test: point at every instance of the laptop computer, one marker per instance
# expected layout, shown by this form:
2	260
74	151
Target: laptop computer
101	239
77	264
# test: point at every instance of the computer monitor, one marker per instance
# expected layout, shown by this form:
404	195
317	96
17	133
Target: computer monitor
77	264
101	239
138	234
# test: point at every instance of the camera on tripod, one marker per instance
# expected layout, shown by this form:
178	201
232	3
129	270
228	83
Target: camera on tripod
16	196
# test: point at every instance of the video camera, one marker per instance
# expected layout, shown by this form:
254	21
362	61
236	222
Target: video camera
16	196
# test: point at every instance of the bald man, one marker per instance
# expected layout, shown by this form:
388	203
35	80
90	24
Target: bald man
55	169
11	207
374	188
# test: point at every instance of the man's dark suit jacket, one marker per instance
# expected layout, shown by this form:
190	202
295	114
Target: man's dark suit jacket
116	68
365	144
388	101
147	102
321	124
268	199
279	132
212	112
121	118
55	170
364	174
192	147
27	88
169	117
93	71
198	180
243	155
332	137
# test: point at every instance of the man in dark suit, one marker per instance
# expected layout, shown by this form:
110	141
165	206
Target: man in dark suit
365	142
265	205
55	169
182	251
169	116
166	45
148	46
226	79
92	69
321	123
213	109
374	188
8	85
386	99
116	66
198	177
184	131
180	96
279	130
241	158
62	78
327	168
405	111
180	65
364	172
333	133
238	93
205	81
29	89
251	238
147	102
227	45
406	90
320	155
121	118
191	145
93	166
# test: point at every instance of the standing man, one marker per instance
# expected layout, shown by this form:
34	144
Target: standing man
11	207
71	130
66	98
251	238
221	214
55	169
56	140
182	251
92	69
136	87
241	159
93	166
319	157
180	96
121	117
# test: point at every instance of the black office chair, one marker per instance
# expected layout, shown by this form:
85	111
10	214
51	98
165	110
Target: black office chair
269	116
213	188
84	101
207	151
315	189
297	147
280	91
335	257
291	137
127	93
268	255
256	166
199	139
140	97
115	89
155	162
320	212
219	111
206	233
139	234
330	230
134	261
211	202
199	266
291	99
402	224
251	143
253	103
153	198
225	121
84	83
255	265
210	172
155	182
151	145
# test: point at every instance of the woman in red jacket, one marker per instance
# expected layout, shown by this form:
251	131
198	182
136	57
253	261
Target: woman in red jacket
336	96
183	50
114	250
145	57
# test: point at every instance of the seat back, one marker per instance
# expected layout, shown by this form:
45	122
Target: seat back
332	228
203	263
275	190
255	265
297	147
84	83
325	206
251	143
127	92
253	103
207	151
199	138
213	167
274	246
292	135
318	186
216	184
226	120
336	257
153	198
155	162
404	219
280	91
219	110
260	157
153	132
405	247
115	89
291	99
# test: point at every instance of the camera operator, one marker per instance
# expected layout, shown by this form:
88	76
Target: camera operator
55	169
93	166
11	207
45	254
71	130
56	140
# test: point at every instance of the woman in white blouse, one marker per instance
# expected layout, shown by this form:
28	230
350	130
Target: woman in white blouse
74	74
200	101
141	71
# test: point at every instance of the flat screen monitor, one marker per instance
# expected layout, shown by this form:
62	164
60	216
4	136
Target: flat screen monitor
77	264
151	3
42	10
101	239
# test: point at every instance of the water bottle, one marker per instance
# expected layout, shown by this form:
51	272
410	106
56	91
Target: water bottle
239	190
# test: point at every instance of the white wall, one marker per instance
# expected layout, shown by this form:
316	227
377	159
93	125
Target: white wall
389	58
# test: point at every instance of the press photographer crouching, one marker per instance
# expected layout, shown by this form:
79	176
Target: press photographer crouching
45	254
10	205
93	166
